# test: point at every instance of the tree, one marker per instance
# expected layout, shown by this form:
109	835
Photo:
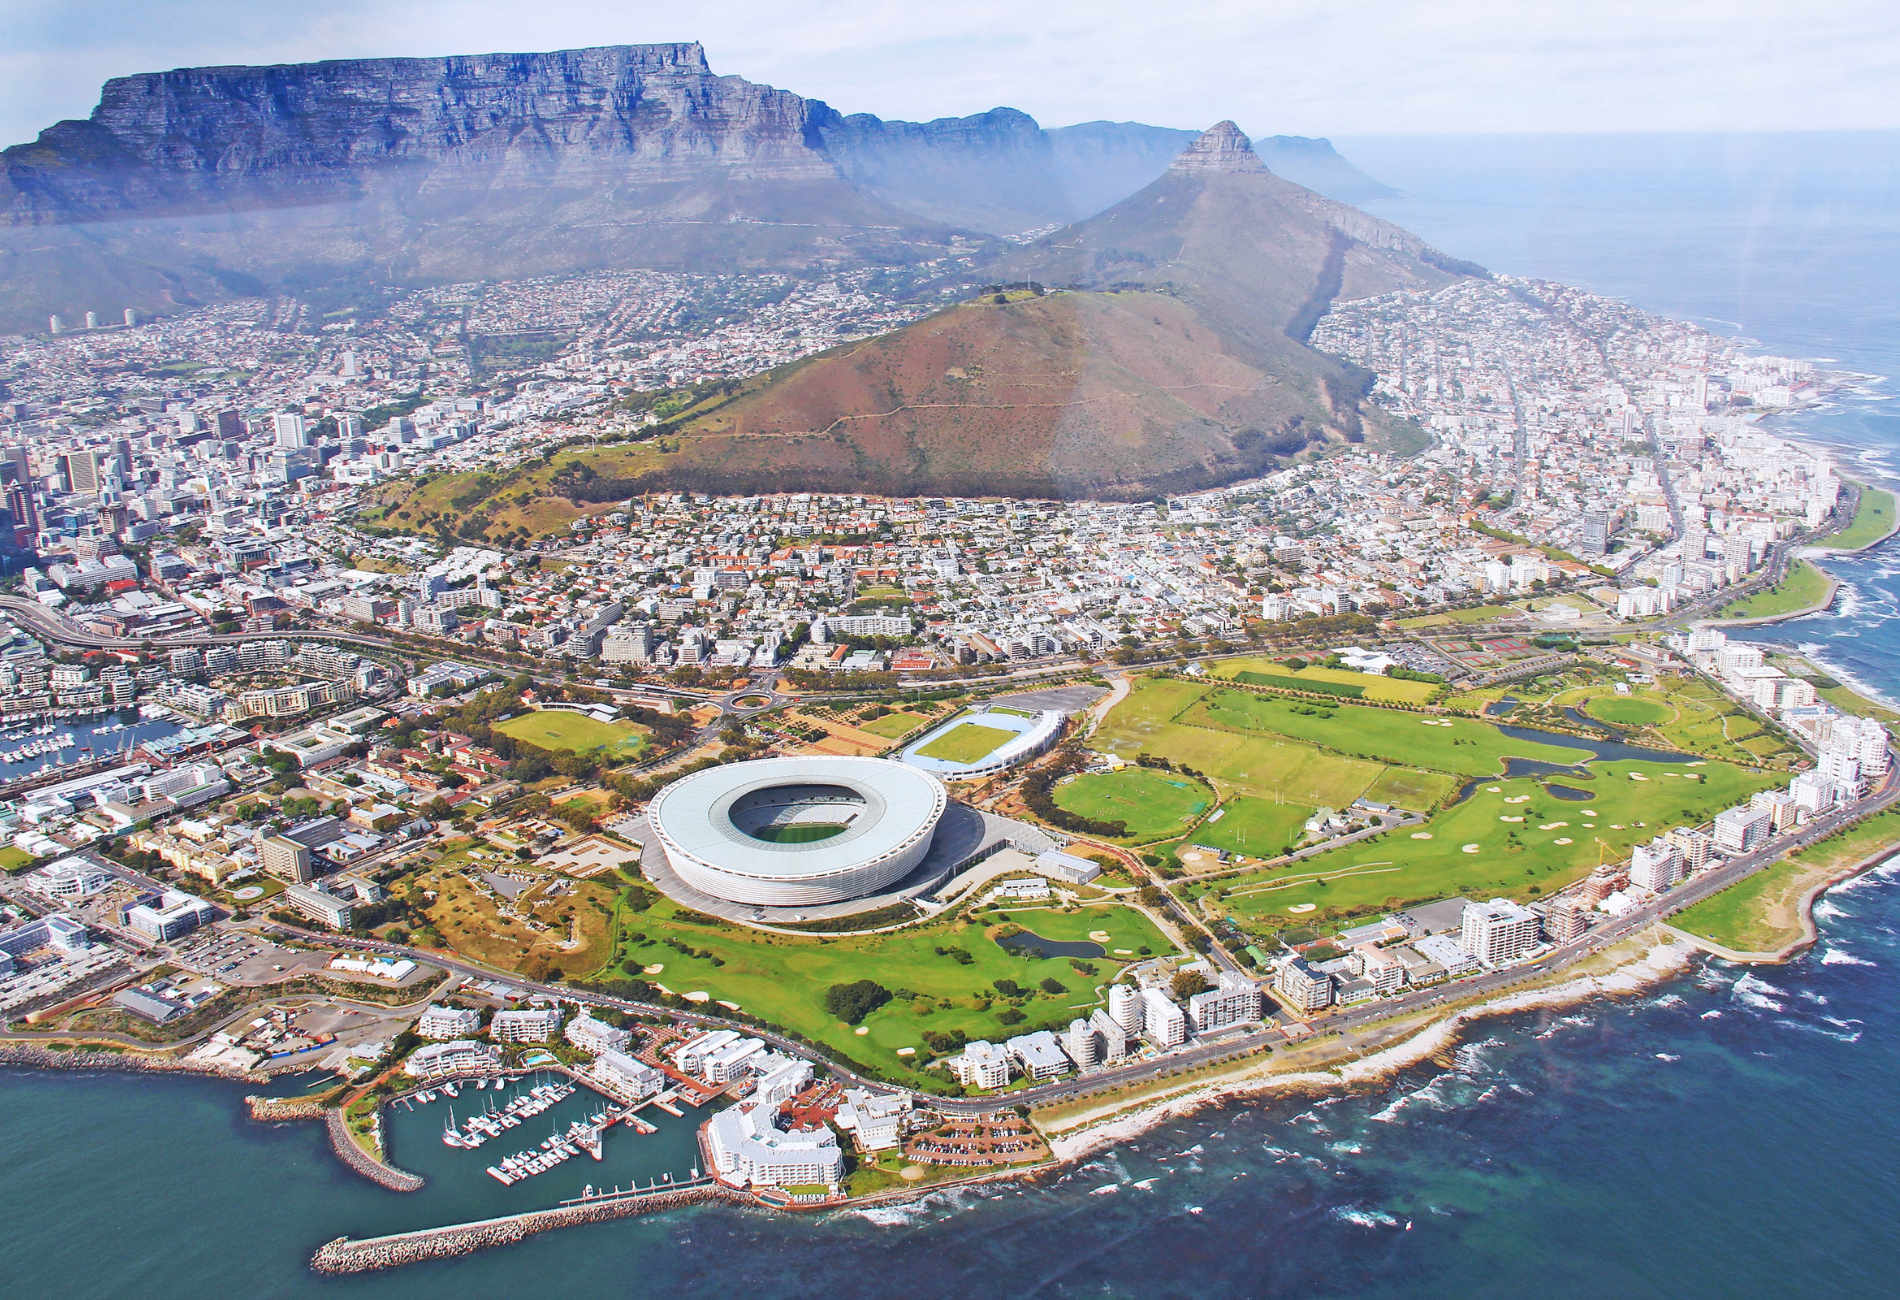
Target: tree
852	1002
1187	983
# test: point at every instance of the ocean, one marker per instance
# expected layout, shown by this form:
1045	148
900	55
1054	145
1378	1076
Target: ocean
1727	1134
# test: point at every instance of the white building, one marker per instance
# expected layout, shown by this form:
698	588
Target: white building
717	1057
1110	1036
626	1076
448	1022
461	1056
1234	1000
1081	1044
874	1119
171	915
528	1025
1657	865
982	1065
1125	1008
591	1035
779	1078
1743	830
1304	989
748	1149
1163	1023
1498	931
1039	1053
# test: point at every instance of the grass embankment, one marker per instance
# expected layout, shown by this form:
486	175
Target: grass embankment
966	742
1152	803
557	729
1478	614
783	979
1800	588
894	725
1873	520
1763	912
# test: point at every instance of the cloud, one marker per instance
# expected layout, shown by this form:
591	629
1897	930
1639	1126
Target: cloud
1312	67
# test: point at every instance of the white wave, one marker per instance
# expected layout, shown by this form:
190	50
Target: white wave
1429	1095
1668	1000
1752	991
897	1216
1345	1148
1281	1153
1853	1037
1826	911
1711	1015
1849	1023
1809	995
1665	1056
1364	1218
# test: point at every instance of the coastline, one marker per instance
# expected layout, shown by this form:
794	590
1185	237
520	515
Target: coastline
1661	958
1804	913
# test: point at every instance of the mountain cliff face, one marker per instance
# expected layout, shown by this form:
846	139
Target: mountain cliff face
192	184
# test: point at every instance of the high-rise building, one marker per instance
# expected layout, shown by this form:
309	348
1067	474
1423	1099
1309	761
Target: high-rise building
1498	931
1302	988
286	859
1234	1000
1124	1008
82	471
290	429
1743	830
1657	865
1163	1023
1596	533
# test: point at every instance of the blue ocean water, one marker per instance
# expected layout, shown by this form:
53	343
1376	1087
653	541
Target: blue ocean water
1729	1134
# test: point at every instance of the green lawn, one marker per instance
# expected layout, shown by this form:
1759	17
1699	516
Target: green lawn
1269	766
967	742
783	979
1481	614
1463	745
893	725
1757	914
1410	788
560	730
1511	857
14	859
1152	803
1375	686
1803	585
1258	828
1872	521
1628	710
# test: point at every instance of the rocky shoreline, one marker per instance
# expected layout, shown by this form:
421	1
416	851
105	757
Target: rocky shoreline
344	1255
35	1057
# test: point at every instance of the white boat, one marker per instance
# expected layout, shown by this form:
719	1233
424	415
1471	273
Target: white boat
499	1176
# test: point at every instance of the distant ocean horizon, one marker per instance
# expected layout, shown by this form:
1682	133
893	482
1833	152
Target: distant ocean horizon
1729	1134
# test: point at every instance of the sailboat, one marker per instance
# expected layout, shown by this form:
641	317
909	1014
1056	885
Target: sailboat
449	1135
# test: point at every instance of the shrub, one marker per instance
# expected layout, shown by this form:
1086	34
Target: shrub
852	1002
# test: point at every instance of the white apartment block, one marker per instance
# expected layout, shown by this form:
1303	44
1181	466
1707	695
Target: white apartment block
1234	1000
1082	1045
448	1022
591	1035
1302	988
750	1150
528	1025
459	1056
1657	865
982	1065
1742	830
1498	931
1039	1054
1163	1023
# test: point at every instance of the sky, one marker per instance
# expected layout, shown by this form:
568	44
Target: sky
1296	67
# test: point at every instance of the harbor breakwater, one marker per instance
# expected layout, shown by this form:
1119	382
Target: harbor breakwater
345	1255
352	1155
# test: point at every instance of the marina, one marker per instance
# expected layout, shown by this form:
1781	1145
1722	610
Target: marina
42	746
534	1140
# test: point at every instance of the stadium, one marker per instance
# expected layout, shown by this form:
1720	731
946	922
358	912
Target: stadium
797	832
983	742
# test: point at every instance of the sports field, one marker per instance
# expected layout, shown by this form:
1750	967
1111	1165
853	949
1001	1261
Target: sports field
893	725
1509	837
1376	687
1463	745
783	979
576	732
967	742
1629	710
1152	803
1256	828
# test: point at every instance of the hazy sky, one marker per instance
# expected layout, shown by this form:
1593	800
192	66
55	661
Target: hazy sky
1308	67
